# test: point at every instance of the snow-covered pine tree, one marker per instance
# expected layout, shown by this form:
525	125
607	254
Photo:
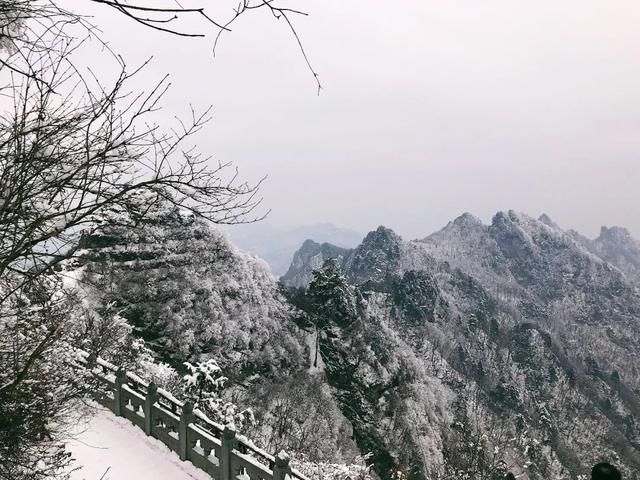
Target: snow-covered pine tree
329	297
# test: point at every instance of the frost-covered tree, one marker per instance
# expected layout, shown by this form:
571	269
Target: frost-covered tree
40	25
356	470
203	385
328	298
38	380
298	414
188	292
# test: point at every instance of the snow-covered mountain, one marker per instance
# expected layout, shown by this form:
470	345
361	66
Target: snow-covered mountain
276	245
474	350
188	291
531	337
616	246
309	257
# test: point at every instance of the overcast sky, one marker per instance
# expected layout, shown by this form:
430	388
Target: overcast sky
430	108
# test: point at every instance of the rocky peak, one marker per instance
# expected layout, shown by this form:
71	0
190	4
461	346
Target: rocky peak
382	238
376	257
616	246
615	234
537	235
467	220
308	245
379	254
308	257
510	232
546	219
464	225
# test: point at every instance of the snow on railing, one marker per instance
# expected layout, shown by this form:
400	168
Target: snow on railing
210	446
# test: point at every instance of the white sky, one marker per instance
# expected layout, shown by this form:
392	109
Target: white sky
430	108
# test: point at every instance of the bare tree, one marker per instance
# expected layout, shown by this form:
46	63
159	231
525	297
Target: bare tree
164	17
28	25
67	163
76	152
64	159
39	386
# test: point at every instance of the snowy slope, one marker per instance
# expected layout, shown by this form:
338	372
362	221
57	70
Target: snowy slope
112	448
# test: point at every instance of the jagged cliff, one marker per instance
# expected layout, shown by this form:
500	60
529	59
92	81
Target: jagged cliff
309	257
616	246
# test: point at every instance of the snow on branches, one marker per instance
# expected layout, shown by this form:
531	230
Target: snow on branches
203	386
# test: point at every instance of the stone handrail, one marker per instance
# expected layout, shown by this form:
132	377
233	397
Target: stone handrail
215	449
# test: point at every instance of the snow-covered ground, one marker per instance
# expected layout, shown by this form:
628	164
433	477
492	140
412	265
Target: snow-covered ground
112	448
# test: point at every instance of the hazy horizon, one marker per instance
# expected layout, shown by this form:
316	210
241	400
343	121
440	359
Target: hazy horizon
428	110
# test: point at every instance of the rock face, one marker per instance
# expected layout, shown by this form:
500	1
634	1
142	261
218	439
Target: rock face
377	257
277	245
308	258
616	246
526	336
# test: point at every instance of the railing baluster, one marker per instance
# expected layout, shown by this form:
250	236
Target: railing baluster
207	449
228	444
118	404
149	401
281	467
185	419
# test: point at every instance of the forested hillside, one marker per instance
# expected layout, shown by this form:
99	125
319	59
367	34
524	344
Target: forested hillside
190	295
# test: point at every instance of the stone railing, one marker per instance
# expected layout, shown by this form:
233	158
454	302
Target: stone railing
211	447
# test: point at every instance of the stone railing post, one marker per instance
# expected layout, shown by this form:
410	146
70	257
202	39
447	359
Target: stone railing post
228	444
118	403
281	467
186	418
149	401
92	360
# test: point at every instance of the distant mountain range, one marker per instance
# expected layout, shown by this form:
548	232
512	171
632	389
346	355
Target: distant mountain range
276	245
615	245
